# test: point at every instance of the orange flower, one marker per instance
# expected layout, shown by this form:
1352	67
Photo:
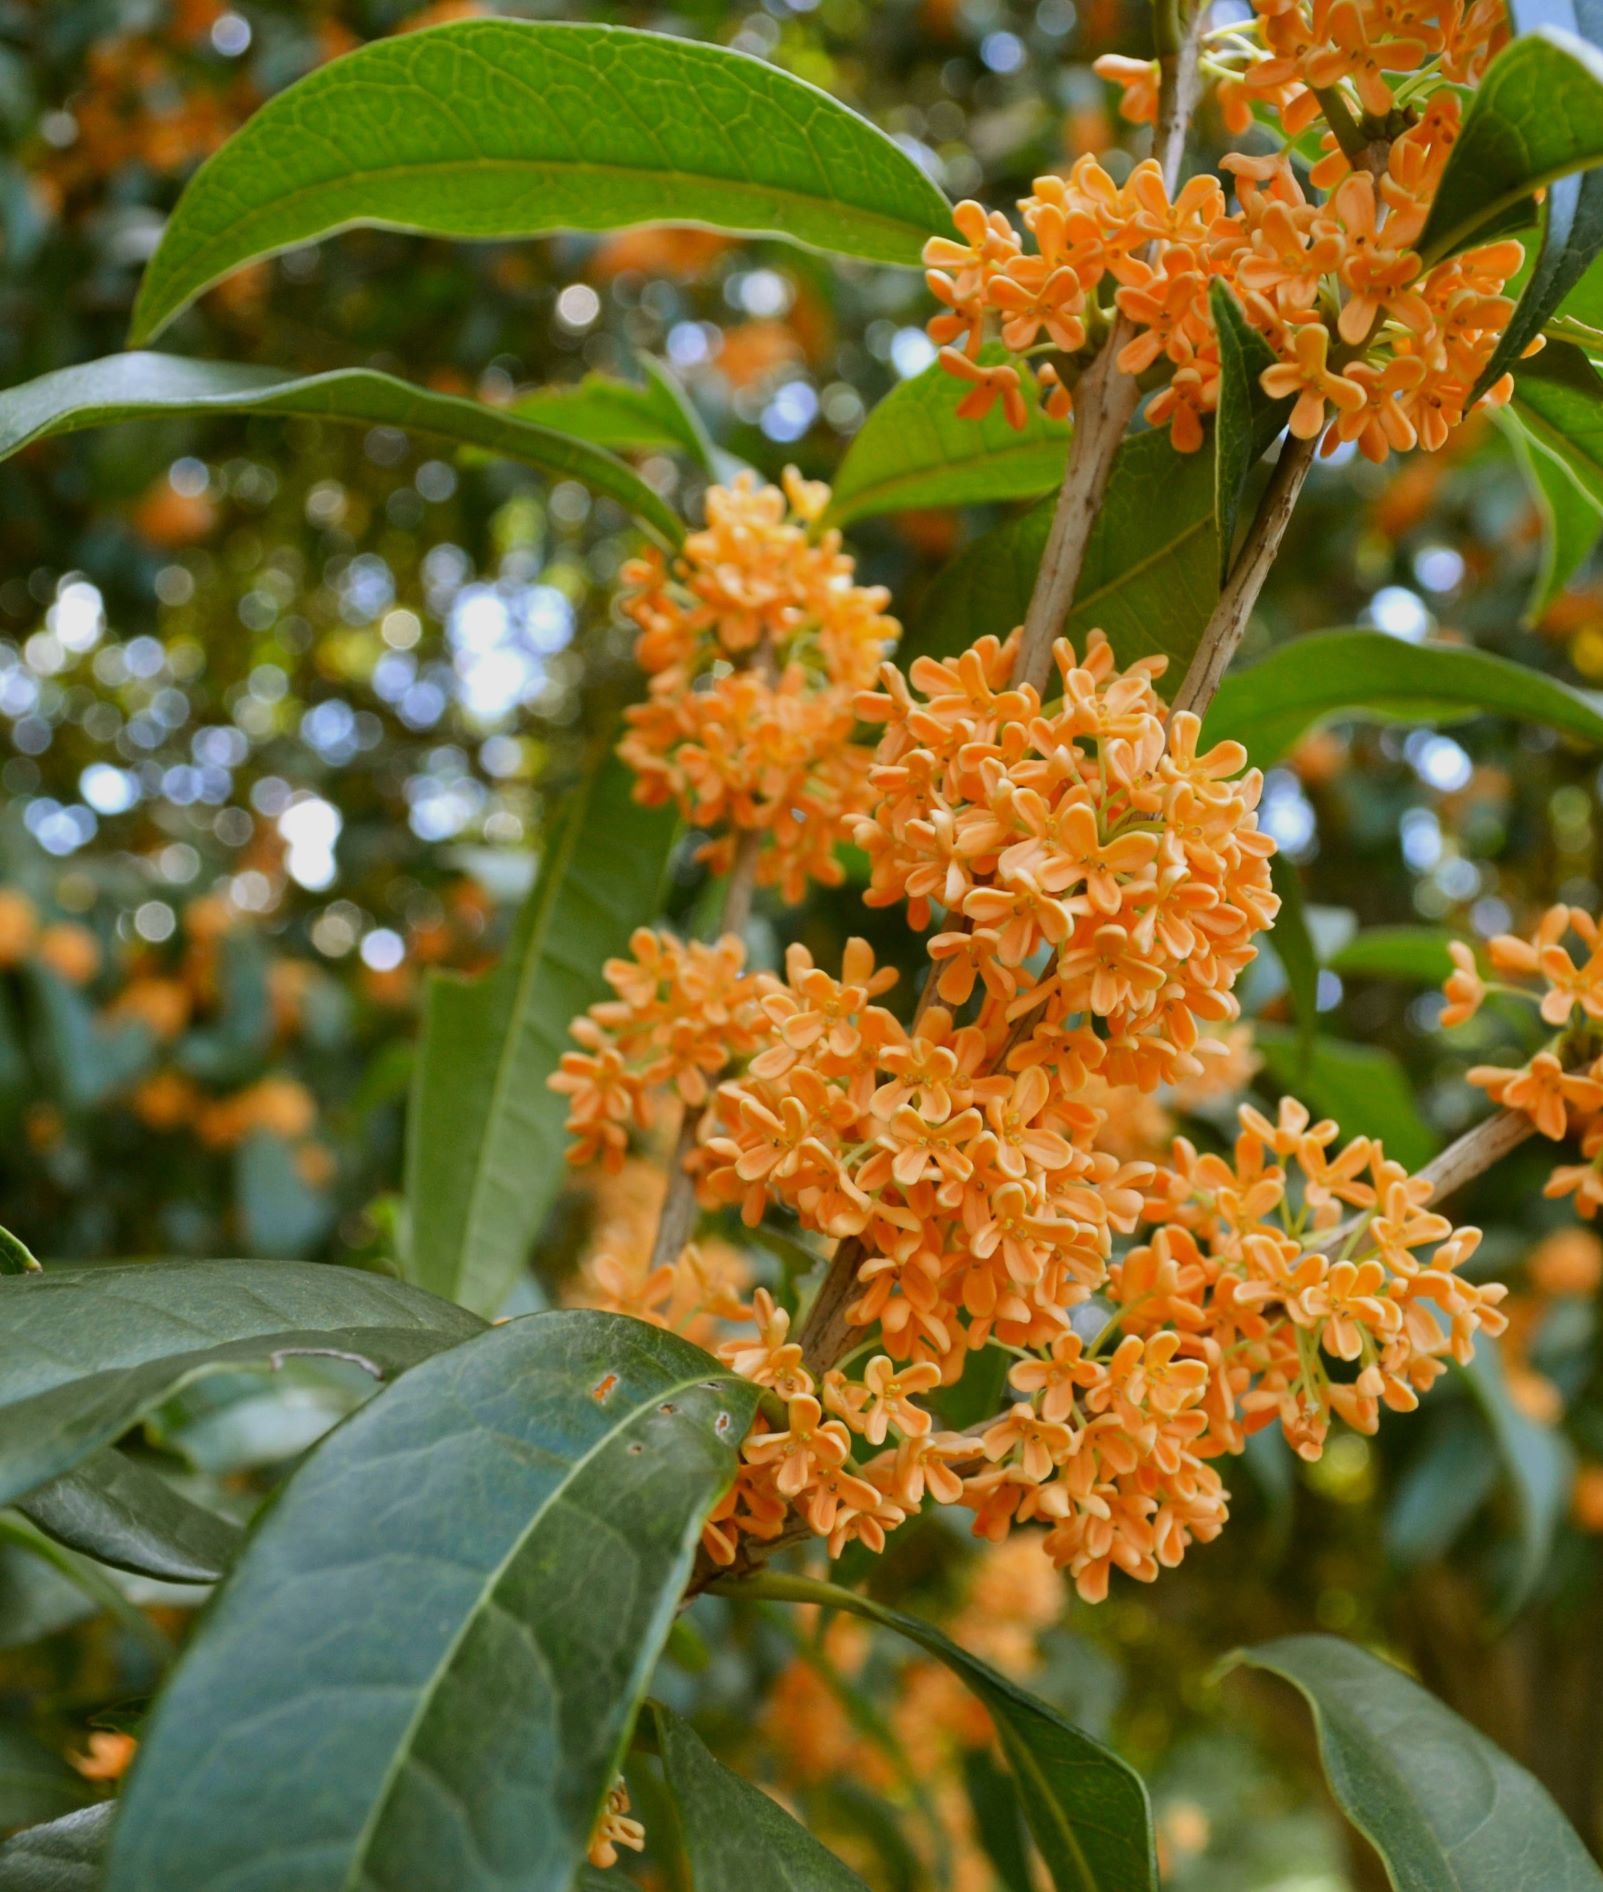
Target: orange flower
756	637
1543	1089
1309	377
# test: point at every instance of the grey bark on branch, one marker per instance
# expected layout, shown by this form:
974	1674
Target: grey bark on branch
1104	402
1259	549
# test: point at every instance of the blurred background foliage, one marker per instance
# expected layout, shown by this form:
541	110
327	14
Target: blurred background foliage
283	710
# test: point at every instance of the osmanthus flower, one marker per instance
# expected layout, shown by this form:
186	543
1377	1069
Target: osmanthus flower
615	1828
1110	872
1322	260
682	1012
696	1293
997	1165
1560	1086
756	638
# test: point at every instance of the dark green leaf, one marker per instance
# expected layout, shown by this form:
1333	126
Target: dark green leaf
913	450
1571	518
88	1057
282	1215
35	1784
1445	1809
1559	401
625	416
502	128
1536	116
1247	420
15	1257
1293	945
90	1350
1087	1809
1443	1485
1583	306
998	1820
1538	1466
140	386
733	1830
1366	673
1571	225
425	1666
1395	952
1362	1087
484	1133
64	1856
36	1598
118	1510
1151	574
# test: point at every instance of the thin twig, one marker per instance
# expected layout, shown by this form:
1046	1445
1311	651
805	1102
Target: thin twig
1477	1151
1258	551
1104	401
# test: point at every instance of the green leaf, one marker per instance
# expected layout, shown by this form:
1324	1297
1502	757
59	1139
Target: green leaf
732	1829
64	1856
624	416
1570	234
998	1820
1559	400
502	128
1445	1809
35	1783
15	1256
1087	1809
1362	1086
1395	952
1151	573
281	1215
1247	419
1584	304
1538	1466
89	1057
1571	518
141	386
1536	116
118	1510
1293	945
91	1350
913	450
484	1133
36	1598
425	1667
1445	1482
1366	673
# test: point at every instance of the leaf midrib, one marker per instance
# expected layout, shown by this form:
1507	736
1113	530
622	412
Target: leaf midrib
1568	448
185	264
506	1060
429	413
1138	567
403	1747
851	506
1463	232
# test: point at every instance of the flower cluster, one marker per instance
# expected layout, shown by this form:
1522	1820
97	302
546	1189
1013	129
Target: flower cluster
1560	1087
1100	875
756	639
1371	344
1100	883
681	1012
